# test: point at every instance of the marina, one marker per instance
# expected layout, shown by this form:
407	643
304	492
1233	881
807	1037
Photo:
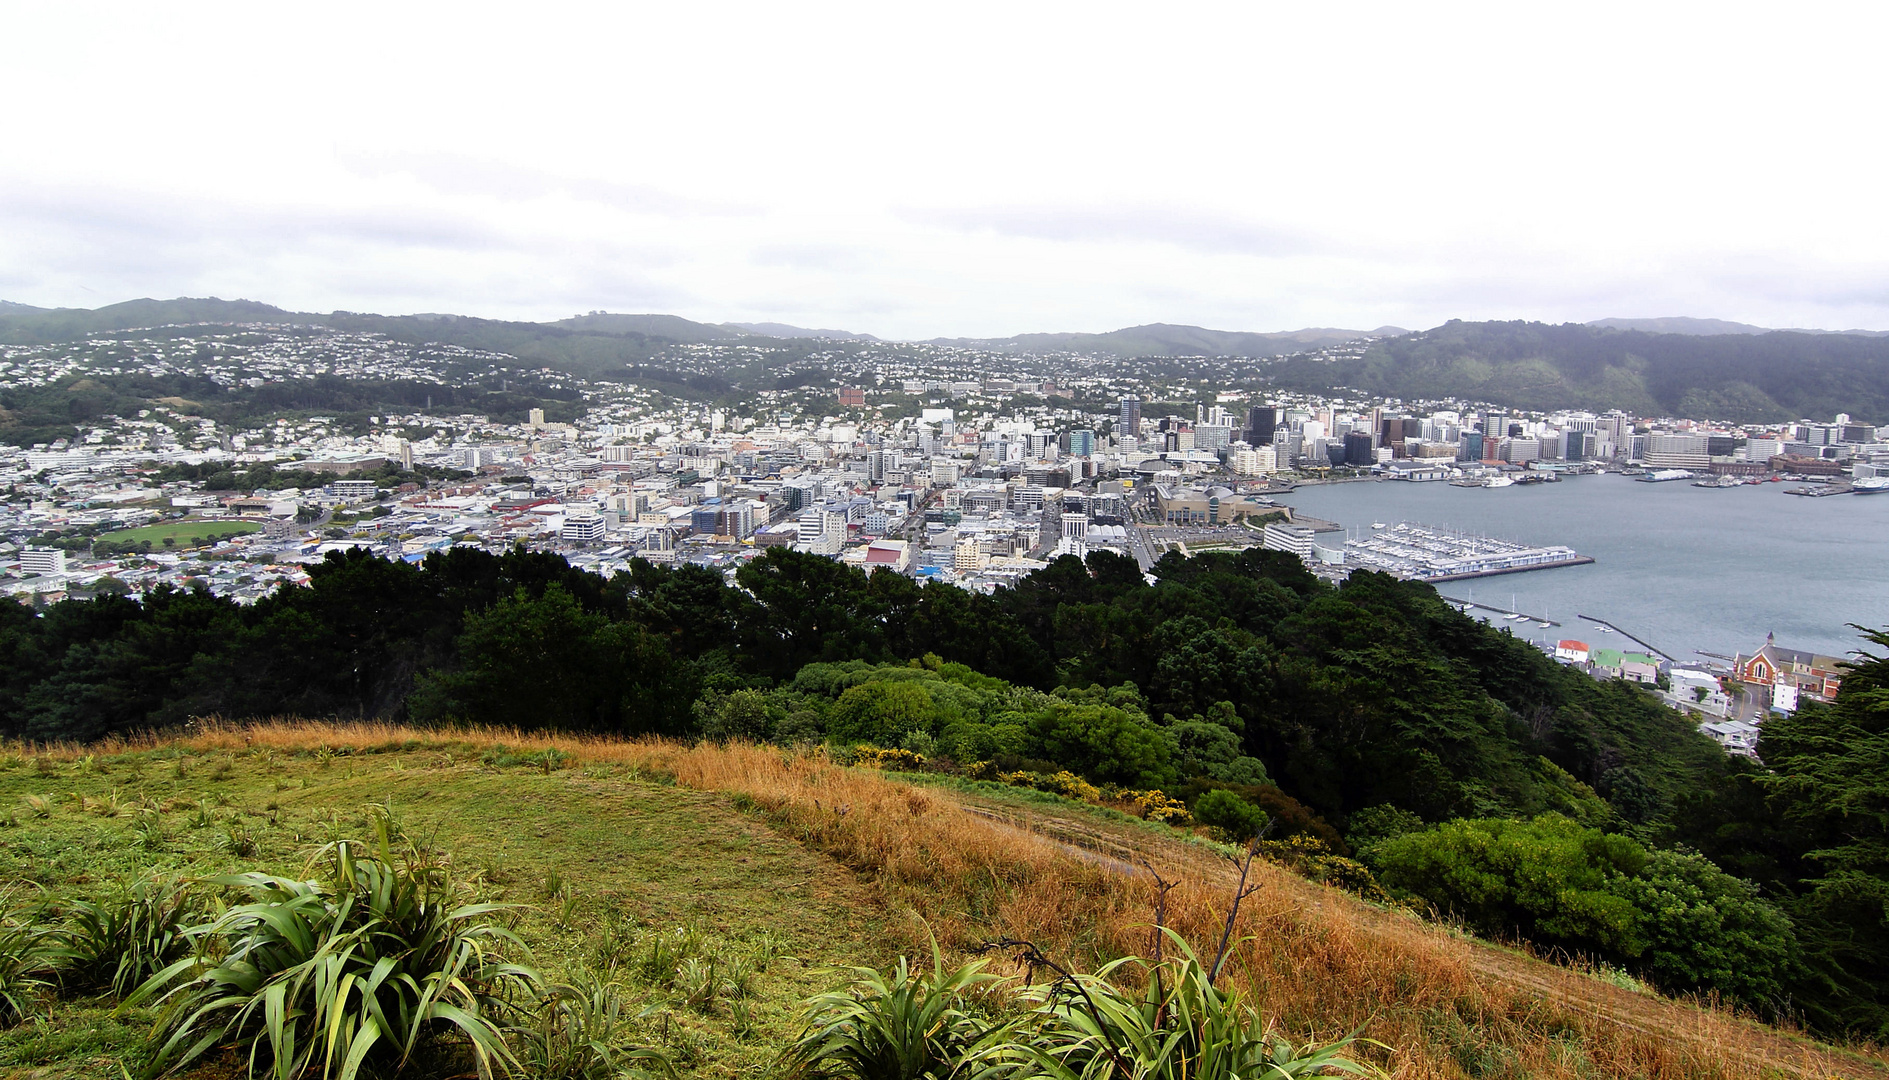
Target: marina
1423	553
1666	554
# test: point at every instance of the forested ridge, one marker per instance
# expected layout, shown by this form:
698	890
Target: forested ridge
1471	773
1743	378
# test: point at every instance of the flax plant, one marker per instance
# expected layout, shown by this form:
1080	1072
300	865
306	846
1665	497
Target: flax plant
120	942
903	1027
367	972
1180	1027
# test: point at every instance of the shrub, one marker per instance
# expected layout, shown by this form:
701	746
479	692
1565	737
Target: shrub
1068	784
1307	856
1157	806
1289	816
1233	817
369	970
903	1027
117	944
896	759
577	1032
1083	1027
1547	879
27	954
1178	1027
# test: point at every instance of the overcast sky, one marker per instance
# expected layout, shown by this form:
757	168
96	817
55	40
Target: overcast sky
915	170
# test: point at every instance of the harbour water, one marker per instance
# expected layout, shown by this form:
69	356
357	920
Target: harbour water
1685	568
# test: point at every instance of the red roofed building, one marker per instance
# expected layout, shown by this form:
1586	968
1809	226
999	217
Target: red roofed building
1813	676
1574	652
888	555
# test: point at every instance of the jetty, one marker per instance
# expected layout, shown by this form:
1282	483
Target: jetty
1641	642
1504	612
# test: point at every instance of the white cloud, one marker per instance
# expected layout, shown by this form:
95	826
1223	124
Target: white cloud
976	169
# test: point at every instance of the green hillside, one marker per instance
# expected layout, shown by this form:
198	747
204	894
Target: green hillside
1744	378
685	901
1166	339
606	866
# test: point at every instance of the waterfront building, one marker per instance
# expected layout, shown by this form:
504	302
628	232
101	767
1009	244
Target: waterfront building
1358	449
1247	461
1797	671
1678	452
1284	536
1571	651
1639	667
1517	451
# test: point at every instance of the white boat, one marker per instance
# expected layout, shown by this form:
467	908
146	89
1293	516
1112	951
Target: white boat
1378	525
1499	481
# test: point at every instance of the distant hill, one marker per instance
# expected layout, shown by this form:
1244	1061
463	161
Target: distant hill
20	309
783	330
22	325
1746	378
1168	339
588	345
1707	327
668	327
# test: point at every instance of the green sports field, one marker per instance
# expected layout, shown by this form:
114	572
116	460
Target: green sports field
185	532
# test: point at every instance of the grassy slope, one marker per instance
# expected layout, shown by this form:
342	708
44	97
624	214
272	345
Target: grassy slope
652	856
854	854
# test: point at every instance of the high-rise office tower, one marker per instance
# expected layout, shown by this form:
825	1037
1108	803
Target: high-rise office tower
1261	420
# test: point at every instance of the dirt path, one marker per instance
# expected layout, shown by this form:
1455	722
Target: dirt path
1758	1046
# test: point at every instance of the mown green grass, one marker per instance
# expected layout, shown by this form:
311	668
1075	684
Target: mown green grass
607	864
188	531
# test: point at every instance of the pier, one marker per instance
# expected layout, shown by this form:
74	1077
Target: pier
1637	641
1504	612
1426	554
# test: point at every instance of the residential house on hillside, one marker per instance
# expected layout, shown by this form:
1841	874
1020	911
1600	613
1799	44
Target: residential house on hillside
1736	736
1639	667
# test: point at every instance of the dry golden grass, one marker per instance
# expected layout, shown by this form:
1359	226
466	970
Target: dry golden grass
1319	962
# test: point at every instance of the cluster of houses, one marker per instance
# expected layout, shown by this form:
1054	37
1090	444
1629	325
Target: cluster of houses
1731	704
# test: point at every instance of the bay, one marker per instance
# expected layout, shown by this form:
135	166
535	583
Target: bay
1682	567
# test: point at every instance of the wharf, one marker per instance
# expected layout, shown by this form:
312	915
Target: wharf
1317	525
1426	554
1538	620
